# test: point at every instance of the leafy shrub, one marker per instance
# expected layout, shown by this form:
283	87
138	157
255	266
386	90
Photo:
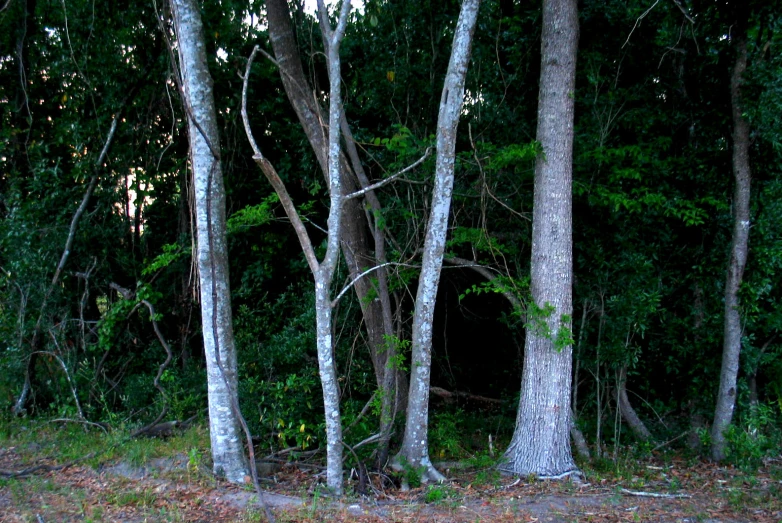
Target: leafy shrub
756	437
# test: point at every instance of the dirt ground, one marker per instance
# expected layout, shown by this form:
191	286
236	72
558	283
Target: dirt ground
173	489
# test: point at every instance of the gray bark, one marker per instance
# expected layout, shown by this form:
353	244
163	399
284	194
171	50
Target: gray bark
355	247
227	450
726	397
325	272
541	442
415	445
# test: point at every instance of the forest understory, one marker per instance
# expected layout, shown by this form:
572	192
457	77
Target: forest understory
366	259
169	480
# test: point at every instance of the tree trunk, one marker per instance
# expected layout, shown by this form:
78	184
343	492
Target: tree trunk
628	412
415	449
726	397
185	291
541	442
324	274
227	450
355	245
579	440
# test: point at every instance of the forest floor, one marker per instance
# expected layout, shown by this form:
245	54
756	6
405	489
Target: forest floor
169	480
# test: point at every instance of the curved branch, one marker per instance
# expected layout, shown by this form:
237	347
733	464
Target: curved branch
487	273
274	179
357	278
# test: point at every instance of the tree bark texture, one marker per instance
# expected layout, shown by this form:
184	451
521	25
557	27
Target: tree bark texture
227	449
356	248
325	271
731	350
541	443
415	444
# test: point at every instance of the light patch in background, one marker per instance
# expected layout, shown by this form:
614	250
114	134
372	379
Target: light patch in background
310	6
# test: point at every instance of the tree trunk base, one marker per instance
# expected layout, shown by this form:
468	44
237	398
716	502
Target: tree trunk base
427	471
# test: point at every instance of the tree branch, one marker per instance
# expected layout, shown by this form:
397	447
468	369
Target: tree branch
274	179
391	178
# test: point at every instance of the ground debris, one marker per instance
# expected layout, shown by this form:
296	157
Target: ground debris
170	489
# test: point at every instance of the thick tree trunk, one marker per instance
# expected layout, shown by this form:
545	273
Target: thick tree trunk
415	447
726	397
227	449
541	442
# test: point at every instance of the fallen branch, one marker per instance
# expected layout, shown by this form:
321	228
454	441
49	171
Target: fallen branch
452	396
652	494
101	426
45	468
666	443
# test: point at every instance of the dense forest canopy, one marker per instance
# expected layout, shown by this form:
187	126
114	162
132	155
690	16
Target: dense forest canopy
97	198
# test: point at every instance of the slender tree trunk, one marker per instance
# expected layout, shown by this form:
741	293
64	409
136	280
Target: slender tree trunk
322	272
628	412
578	439
377	312
726	397
541	441
184	294
415	447
325	272
227	449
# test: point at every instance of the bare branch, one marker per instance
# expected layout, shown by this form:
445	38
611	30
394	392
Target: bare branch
652	494
638	20
81	421
128	294
391	178
109	139
67	376
684	11
274	178
357	278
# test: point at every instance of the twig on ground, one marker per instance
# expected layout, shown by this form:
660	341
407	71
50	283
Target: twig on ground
652	494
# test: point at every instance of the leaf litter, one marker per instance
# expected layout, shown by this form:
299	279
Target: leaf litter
167	489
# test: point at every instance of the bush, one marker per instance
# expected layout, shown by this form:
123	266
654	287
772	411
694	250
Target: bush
756	437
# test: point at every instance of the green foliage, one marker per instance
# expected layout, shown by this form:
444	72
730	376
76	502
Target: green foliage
757	436
515	156
253	215
478	239
402	142
171	253
446	434
400	350
413	476
286	410
437	493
